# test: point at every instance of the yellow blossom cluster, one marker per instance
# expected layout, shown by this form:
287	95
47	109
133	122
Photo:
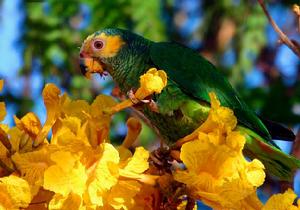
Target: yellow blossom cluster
216	171
76	167
282	201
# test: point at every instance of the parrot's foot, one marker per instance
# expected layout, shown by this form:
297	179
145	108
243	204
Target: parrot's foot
151	103
135	100
132	97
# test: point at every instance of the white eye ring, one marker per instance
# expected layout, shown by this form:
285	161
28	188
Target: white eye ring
98	44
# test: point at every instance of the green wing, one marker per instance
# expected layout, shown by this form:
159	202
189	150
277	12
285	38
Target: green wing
197	77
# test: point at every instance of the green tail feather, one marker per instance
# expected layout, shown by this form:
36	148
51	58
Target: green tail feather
276	162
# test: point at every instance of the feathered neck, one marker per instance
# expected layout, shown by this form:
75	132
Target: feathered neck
131	62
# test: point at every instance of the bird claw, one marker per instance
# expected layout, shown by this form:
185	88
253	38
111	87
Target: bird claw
152	104
132	97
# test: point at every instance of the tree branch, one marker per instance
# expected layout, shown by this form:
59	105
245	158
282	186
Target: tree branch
282	35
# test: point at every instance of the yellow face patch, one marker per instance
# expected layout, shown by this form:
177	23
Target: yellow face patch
111	45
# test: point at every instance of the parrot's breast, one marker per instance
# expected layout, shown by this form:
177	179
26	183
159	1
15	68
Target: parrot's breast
171	126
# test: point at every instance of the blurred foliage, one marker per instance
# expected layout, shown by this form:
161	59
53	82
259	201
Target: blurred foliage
55	30
54	33
247	23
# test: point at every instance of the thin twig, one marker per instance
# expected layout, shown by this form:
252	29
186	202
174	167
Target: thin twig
282	35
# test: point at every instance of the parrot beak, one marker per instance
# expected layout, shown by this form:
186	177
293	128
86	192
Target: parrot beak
89	66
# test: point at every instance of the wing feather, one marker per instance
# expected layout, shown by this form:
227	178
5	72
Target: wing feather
197	77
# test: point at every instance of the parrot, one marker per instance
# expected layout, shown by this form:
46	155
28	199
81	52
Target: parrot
184	104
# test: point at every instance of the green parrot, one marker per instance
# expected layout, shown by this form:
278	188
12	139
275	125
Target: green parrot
184	103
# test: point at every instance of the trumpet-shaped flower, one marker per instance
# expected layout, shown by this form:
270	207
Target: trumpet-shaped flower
71	201
77	168
282	201
66	175
152	82
216	170
32	166
30	124
111	173
14	193
53	102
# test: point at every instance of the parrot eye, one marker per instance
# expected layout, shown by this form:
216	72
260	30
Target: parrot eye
98	44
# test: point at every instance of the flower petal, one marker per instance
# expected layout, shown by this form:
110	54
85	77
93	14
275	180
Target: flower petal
71	201
18	190
281	201
68	175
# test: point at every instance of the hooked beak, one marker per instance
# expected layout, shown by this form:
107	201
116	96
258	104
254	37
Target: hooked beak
90	65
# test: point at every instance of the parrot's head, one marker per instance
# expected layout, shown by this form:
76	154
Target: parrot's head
104	50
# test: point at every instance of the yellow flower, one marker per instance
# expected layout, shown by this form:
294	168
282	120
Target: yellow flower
91	117
2	111
122	194
32	166
20	140
219	118
282	201
67	175
153	81
79	169
70	135
58	106
216	171
71	201
134	128
76	169
30	123
14	193
1	84
115	180
220	121
135	166
5	200
75	108
104	176
53	102
98	123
